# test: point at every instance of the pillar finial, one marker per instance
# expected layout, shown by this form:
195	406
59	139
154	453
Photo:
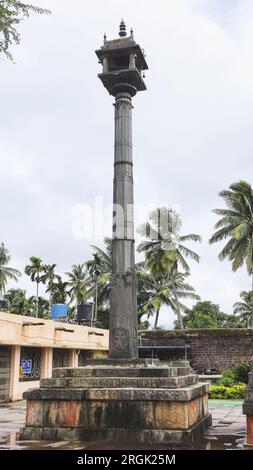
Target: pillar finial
122	29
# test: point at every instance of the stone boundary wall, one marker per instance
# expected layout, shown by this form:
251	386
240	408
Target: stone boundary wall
218	349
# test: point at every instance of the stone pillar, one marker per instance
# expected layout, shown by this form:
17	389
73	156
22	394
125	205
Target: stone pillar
248	409
14	378
123	341
46	362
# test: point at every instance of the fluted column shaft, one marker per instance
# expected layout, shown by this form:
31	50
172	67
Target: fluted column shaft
123	312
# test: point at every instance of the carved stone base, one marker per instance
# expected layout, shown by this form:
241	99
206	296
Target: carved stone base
142	403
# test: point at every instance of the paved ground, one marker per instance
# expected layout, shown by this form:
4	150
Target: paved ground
229	425
228	430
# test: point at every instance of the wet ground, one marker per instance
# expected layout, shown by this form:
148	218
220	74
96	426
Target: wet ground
228	430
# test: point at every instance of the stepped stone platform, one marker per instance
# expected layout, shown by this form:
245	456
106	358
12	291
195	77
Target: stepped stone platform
139	401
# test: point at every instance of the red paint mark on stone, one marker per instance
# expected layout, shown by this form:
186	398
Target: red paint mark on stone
69	413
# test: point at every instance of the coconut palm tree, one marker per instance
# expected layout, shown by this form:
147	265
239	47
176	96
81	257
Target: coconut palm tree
48	278
236	225
6	273
164	245
161	291
245	308
99	270
34	270
77	284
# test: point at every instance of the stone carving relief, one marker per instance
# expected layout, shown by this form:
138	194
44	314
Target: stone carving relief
120	340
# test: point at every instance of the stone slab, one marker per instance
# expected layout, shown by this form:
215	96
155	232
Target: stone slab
150	394
119	382
107	362
120	372
183	394
106	414
147	436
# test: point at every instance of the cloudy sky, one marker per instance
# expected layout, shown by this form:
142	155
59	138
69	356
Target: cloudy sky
192	128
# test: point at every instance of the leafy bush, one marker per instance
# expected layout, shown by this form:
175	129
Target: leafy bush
228	393
235	376
241	372
228	379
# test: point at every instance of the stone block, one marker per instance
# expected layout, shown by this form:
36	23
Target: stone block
31	433
107	362
55	394
51	413
71	413
128	382
54	383
117	414
170	415
61	372
34	413
194	412
124	372
149	394
104	414
143	436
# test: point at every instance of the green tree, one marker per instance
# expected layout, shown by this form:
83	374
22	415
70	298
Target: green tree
236	225
20	304
205	314
144	325
6	273
17	301
43	306
77	284
164	248
165	290
34	271
99	270
164	244
12	12
59	291
48	278
245	308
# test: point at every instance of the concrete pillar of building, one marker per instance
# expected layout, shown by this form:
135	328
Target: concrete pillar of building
15	368
73	358
46	362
